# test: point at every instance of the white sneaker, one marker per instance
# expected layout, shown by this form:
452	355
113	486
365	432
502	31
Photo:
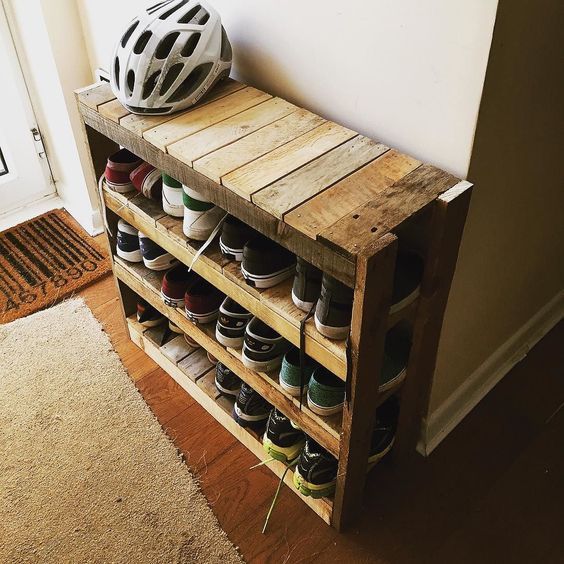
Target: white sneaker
172	197
200	215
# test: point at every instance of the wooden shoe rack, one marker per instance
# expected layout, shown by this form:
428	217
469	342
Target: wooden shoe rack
337	199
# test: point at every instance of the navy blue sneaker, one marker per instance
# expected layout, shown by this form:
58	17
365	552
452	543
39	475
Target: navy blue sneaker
127	246
251	409
155	257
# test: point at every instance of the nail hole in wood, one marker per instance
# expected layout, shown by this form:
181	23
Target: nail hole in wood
374	229
356	216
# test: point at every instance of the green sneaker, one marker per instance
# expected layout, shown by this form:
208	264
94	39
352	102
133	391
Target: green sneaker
326	393
316	471
201	216
290	372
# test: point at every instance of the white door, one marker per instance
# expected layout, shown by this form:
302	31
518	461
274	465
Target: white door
24	170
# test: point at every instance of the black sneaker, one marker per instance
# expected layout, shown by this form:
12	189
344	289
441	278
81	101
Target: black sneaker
226	382
147	315
127	245
407	279
234	235
316	472
263	348
334	309
265	263
154	256
282	440
384	432
231	324
307	285
396	355
251	409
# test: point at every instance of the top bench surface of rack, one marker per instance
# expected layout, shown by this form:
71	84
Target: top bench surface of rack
322	190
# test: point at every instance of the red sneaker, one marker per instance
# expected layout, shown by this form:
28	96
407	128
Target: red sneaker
119	167
202	301
147	180
175	283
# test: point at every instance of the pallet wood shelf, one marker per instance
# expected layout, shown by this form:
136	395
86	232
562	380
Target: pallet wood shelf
337	199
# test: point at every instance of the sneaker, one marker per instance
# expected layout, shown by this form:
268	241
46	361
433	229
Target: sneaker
226	381
396	354
290	372
200	215
251	409
234	235
407	280
172	196
307	285
265	263
191	342
326	392
118	169
147	181
155	257
174	328
212	358
231	324
175	283
202	301
127	246
263	348
147	315
316	472
334	309
384	432
282	440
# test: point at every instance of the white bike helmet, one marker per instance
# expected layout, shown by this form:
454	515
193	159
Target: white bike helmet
169	57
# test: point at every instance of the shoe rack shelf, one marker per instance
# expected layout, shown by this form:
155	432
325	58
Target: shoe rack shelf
337	199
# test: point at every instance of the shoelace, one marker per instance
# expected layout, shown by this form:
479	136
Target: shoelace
302	350
208	242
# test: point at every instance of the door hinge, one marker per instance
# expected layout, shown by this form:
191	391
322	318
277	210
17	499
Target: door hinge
38	141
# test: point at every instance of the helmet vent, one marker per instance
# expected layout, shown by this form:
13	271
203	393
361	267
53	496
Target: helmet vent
170	77
196	15
154	8
128	33
141	43
166	45
191	83
166	14
131	81
150	84
116	72
190	45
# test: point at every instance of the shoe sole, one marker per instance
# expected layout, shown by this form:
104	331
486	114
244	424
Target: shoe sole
264	366
225	391
300	304
266	280
324	411
248	420
232	254
312	490
172	302
408	300
393	382
121	188
191	342
283	454
232	342
292	390
373	460
202	318
151	322
175	210
130	256
333	333
175	329
159	263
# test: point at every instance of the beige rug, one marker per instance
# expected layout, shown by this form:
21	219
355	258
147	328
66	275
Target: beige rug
86	472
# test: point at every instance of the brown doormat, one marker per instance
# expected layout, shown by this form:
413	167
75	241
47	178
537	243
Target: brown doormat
44	260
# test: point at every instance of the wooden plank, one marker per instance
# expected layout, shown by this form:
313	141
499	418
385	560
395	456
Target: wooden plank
306	182
197	364
339	266
325	209
388	210
113	110
225	160
449	216
285	159
96	95
372	295
138	124
177	349
225	132
197	119
150	210
323	507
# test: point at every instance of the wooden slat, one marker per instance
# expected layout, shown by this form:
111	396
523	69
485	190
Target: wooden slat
138	124
323	507
325	209
95	96
306	182
360	228
197	119
274	165
113	110
225	132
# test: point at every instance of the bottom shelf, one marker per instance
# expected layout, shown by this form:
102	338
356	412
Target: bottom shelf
197	379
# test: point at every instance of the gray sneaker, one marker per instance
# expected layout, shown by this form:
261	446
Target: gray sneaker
307	285
334	309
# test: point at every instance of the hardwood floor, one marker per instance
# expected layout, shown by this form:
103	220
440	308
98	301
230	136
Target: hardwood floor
493	491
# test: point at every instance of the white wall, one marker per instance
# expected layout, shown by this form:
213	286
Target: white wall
406	72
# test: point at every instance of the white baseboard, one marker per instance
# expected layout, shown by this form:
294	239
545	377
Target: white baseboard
451	412
30	211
